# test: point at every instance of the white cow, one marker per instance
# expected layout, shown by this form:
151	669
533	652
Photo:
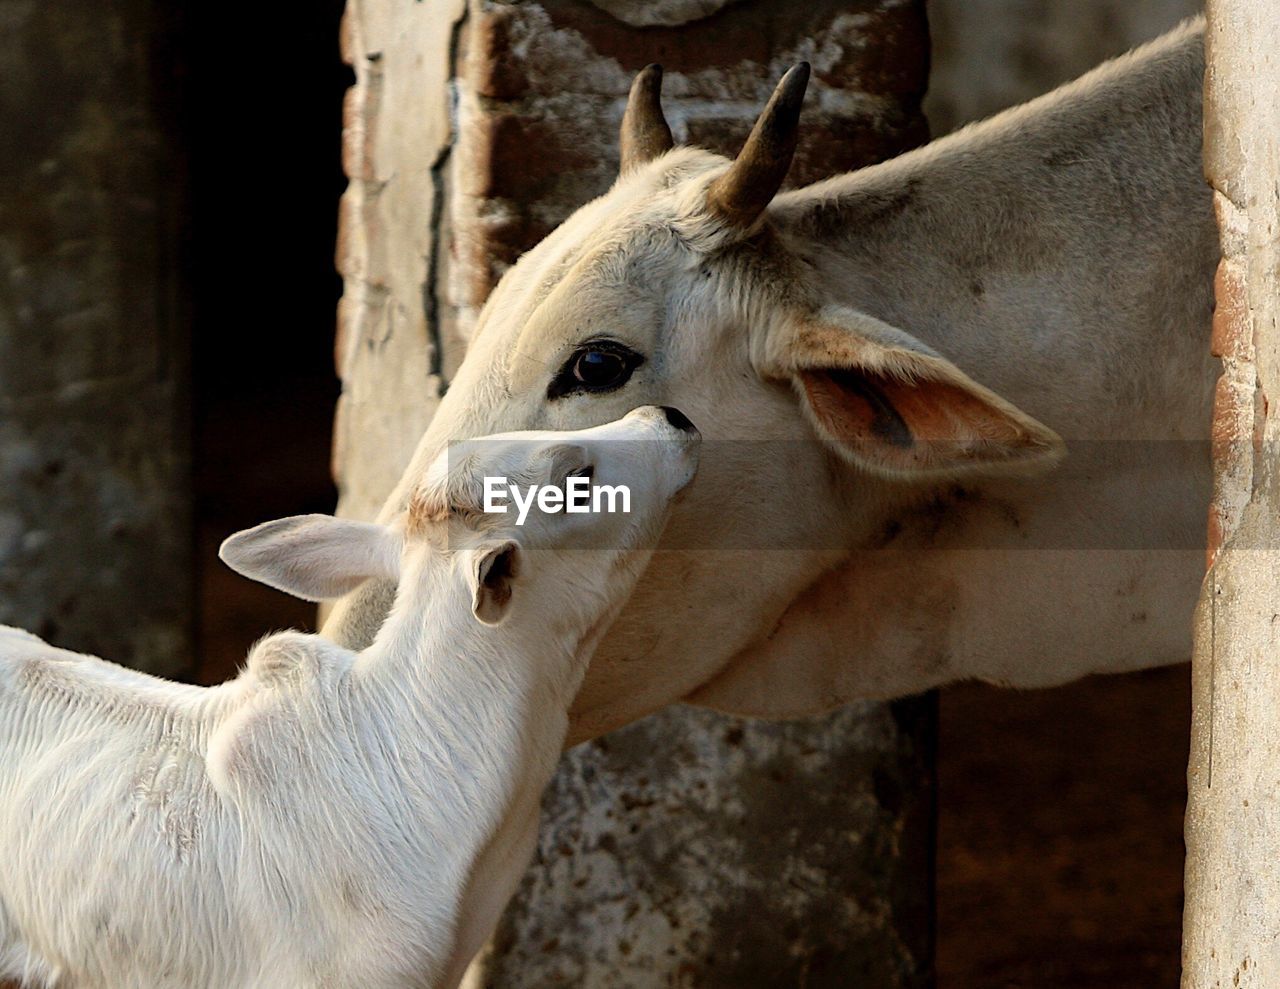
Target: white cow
329	818
889	367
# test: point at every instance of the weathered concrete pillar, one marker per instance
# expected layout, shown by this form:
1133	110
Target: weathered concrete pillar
1231	927
691	849
94	443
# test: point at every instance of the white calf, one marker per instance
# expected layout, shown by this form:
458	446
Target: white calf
329	818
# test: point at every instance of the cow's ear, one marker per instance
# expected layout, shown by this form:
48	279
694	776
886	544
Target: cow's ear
888	403
493	571
314	557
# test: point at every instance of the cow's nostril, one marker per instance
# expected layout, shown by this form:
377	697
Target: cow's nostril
678	419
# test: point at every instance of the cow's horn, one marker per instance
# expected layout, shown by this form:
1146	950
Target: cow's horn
741	193
645	133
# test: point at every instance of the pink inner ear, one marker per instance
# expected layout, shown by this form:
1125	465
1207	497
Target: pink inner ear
905	425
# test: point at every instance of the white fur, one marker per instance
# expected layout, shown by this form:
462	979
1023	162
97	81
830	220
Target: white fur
1055	263
329	818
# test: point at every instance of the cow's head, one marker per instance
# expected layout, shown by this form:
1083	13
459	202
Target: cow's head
678	287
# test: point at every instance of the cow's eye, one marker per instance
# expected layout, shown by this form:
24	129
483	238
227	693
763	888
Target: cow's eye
598	366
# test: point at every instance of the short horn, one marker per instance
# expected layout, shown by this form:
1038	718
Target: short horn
741	194
645	134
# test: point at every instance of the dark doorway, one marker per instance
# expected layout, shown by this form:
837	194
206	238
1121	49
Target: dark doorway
262	120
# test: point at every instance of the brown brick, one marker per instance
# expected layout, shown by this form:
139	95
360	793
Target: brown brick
1232	326
495	72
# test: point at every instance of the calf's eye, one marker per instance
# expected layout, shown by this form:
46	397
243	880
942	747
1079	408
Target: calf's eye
597	366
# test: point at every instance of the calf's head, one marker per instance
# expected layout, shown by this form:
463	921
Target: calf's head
678	287
487	526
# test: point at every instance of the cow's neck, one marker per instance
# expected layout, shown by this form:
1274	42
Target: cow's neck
1037	252
1024	248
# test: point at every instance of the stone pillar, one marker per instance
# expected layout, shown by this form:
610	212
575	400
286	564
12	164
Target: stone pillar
1231	925
95	526
691	849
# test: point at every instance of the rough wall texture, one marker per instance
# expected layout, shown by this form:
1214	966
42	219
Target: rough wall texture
94	513
700	851
391	240
991	54
691	849
1231	935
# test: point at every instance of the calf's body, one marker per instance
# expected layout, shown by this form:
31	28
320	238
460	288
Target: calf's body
313	823
328	818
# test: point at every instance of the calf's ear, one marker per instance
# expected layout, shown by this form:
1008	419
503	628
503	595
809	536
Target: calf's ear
494	569
314	557
888	403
